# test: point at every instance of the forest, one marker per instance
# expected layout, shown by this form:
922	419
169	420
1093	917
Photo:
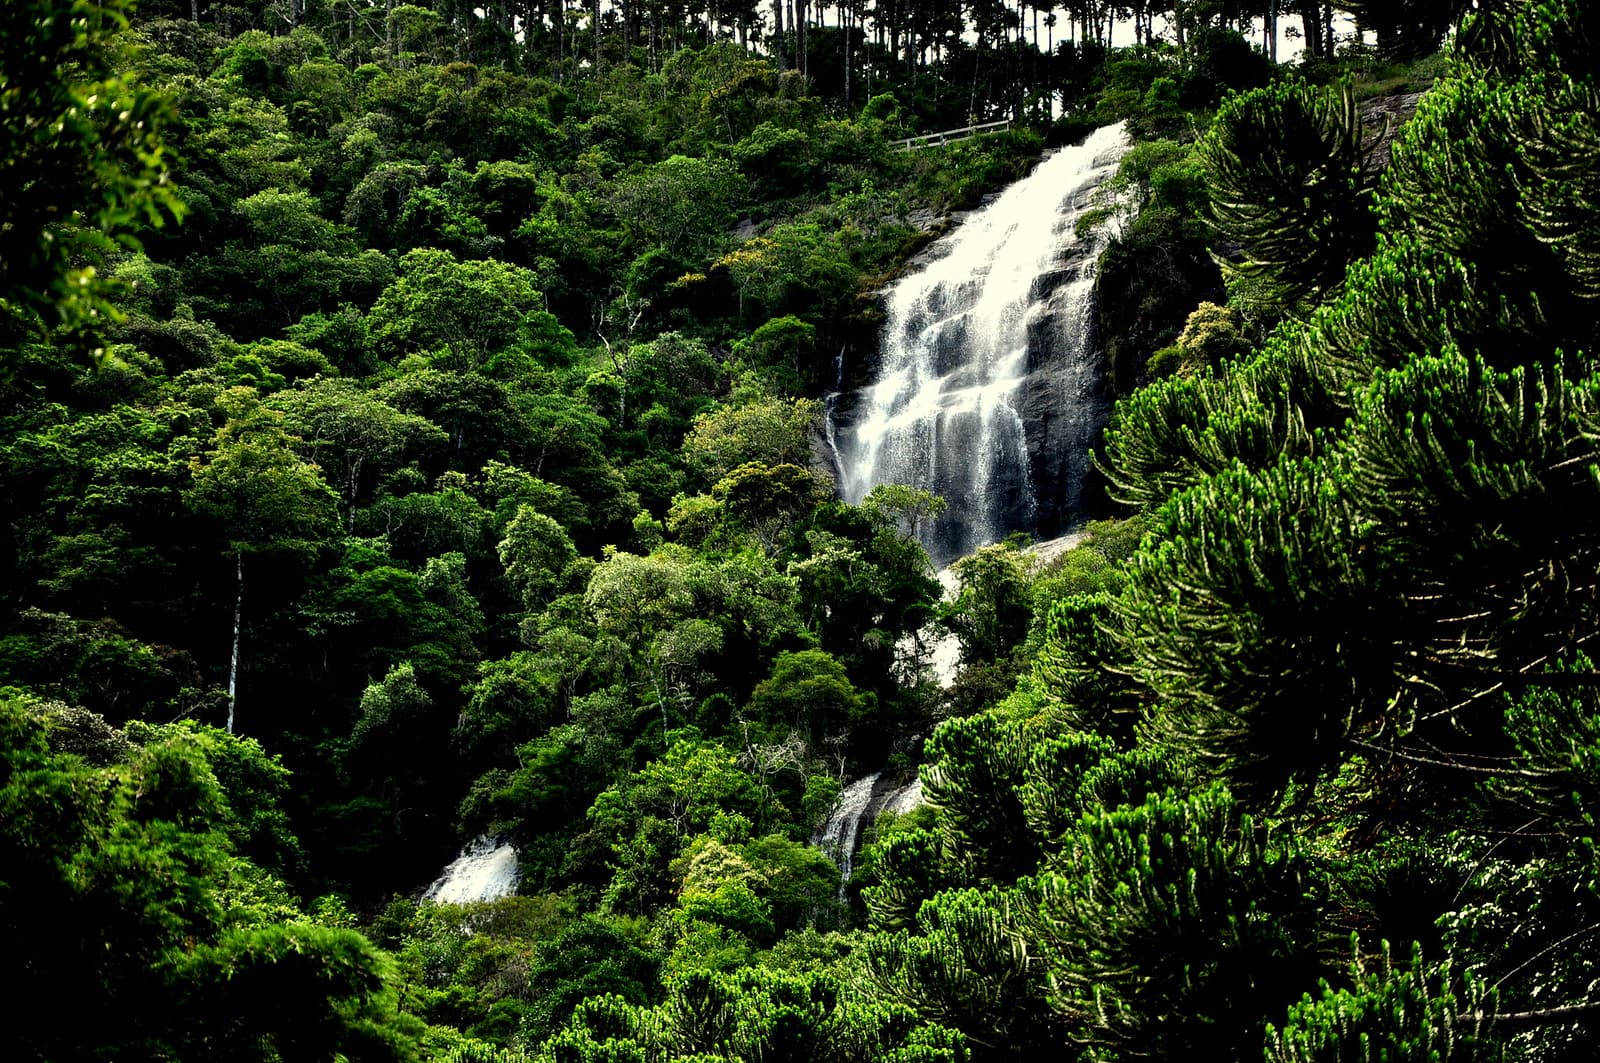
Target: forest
409	427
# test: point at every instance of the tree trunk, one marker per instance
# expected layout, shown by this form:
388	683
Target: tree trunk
972	96
777	33
238	631
802	22
1314	26
194	10
844	21
661	699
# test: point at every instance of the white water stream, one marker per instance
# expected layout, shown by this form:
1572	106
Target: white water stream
486	870
988	382
859	803
988	393
839	836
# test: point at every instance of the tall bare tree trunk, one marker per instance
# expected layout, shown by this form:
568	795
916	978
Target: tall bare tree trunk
844	20
972	96
238	631
802	23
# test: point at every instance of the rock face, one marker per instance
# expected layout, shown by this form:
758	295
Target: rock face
1063	401
988	386
1382	117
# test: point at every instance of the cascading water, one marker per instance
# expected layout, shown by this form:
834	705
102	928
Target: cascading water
859	804
486	870
988	394
988	390
841	833
903	800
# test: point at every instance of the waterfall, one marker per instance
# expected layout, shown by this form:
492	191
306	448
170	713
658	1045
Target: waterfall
859	804
904	799
989	386
944	649
486	870
839	836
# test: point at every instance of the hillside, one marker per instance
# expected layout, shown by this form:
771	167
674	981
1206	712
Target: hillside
407	431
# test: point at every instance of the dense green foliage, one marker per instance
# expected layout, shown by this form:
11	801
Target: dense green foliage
408	415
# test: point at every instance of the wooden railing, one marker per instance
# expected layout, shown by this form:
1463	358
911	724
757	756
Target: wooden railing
950	135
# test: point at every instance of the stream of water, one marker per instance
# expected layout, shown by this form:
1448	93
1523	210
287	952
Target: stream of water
988	389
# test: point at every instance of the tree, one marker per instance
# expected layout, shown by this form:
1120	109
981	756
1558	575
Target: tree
135	853
1404	1011
268	501
720	892
767	430
348	431
1373	537
646	820
1210	336
753	1015
768	500
643	601
535	554
1292	184
682	204
1175	927
396	738
975	767
865	582
591	959
82	159
1409	29
474	410
962	967
992	609
480	315
808	690
290	262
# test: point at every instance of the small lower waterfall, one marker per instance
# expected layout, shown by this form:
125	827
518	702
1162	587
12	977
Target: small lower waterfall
841	833
989	386
859	804
944	649
486	870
